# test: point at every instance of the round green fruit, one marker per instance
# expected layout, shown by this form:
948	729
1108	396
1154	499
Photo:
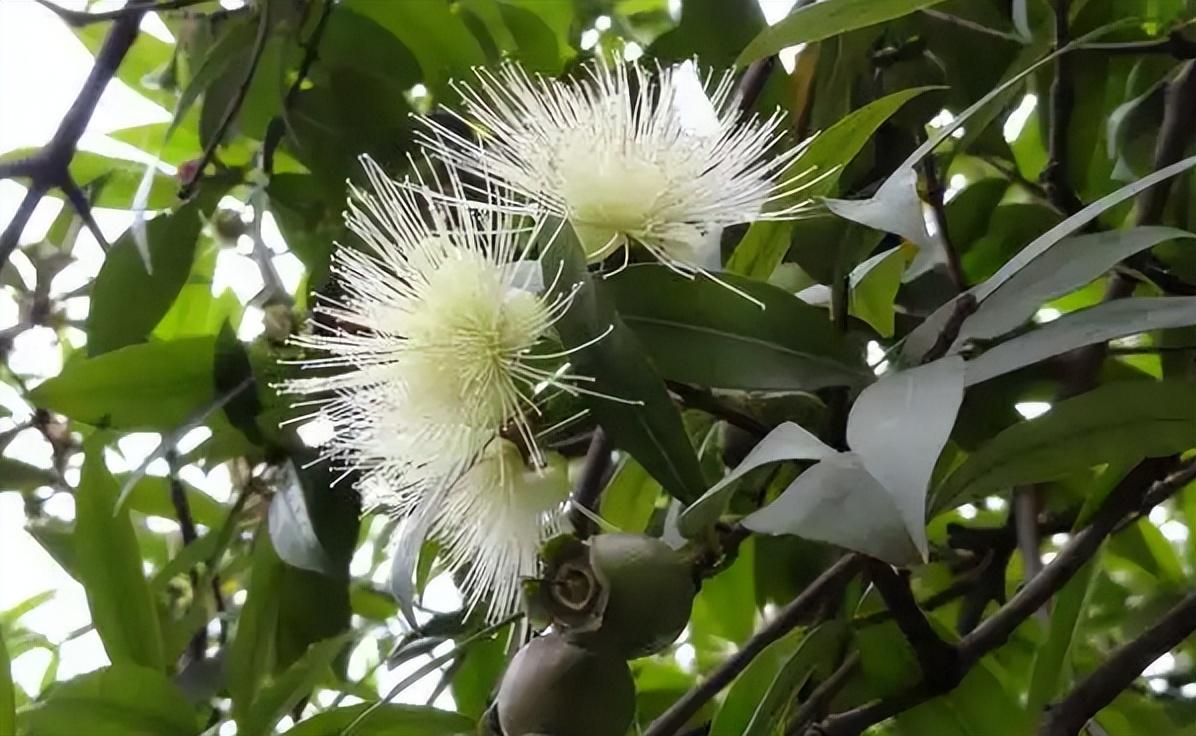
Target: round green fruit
555	688
649	590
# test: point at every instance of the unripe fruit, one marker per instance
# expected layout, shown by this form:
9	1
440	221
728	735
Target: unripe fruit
628	594
555	688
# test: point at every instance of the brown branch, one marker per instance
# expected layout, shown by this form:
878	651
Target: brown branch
1120	669
593	479
936	196
678	714
48	168
82	207
963	307
1128	497
1063	97
938	660
704	400
822	695
234	104
182	511
79	18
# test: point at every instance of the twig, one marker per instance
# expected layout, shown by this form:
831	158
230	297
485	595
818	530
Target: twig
938	660
704	400
82	206
678	714
234	105
48	168
971	25
964	306
1125	498
1120	669
822	695
589	486
182	511
1063	97
277	126
1026	503
753	81
936	196
79	18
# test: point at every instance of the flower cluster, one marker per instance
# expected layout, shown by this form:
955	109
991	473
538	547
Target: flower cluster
431	359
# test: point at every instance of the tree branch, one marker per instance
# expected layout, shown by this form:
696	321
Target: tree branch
938	660
79	18
1127	497
278	126
1063	95
48	168
234	105
704	400
593	477
936	196
675	718
82	207
822	695
1120	669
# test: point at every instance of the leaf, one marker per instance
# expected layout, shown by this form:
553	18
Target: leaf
436	36
275	700
251	655
1103	322
874	287
8	699
1051	658
761	249
714	31
1117	422
144	58
787	441
744	695
150	495
229	54
640	417
698	331
816	21
116	318
629	500
121	700
894	208
16	475
109	566
291	529
818	651
1070	264
146	387
387	720
837	501
920	340
899	426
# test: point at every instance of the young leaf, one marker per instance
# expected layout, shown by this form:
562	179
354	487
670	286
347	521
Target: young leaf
788	441
1107	321
1118	422
899	425
634	406
698	331
109	566
1067	266
894	208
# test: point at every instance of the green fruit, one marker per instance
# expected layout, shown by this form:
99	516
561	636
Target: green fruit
555	688
635	590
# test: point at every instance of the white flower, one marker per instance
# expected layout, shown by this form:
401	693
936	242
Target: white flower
494	520
612	152
432	349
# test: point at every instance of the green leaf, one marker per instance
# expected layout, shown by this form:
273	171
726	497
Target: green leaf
435	34
276	699
713	31
144	58
1051	659
816	654
109	566
698	331
251	655
121	700
8	699
127	301
388	720
183	145
630	498
148	387
649	429
874	288
761	250
816	21
16	475
120	178
476	679
150	495
725	606
1113	423
229	54
744	695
